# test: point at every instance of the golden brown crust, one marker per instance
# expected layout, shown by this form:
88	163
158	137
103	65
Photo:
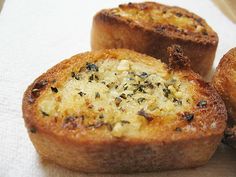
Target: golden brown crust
114	31
97	151
224	80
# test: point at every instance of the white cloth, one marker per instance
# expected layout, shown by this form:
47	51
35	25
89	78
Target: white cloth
35	35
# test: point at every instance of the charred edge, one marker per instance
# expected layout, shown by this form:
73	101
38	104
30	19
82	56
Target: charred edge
177	60
35	92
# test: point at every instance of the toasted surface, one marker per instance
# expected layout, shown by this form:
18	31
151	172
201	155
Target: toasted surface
224	80
151	27
117	107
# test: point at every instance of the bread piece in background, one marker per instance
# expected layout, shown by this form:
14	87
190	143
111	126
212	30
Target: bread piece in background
119	111
151	27
224	80
228	8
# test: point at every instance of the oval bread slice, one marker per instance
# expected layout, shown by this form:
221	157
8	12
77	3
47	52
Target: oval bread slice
121	111
151	27
224	80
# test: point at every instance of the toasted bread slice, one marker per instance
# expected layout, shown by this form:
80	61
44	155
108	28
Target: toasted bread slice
224	80
150	28
120	111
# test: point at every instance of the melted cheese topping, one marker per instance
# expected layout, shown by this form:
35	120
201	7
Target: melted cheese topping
155	16
122	96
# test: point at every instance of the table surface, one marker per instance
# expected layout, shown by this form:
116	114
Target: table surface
34	36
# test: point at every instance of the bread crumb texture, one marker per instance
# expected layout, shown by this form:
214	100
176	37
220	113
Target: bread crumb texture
121	97
160	16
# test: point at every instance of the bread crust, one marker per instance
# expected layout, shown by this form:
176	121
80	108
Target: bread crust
113	31
101	152
224	80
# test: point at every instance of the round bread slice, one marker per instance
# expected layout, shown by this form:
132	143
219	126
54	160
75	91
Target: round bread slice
120	111
224	80
151	27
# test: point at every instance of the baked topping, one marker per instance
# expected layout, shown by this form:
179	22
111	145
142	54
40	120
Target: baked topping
161	17
35	92
119	96
202	104
54	89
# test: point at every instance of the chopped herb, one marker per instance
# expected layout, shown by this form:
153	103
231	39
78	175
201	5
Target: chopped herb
130	95
139	88
166	92
76	76
150	85
179	14
179	102
118	101
178	129
188	116
132	73
54	89
131	79
93	77
44	113
158	84
140	100
82	94
91	67
123	96
97	95
143	75
125	86
116	86
202	104
145	115
124	122
96	77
